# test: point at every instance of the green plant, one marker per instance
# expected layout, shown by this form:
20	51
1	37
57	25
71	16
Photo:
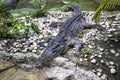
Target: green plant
25	27
86	51
41	7
9	26
106	5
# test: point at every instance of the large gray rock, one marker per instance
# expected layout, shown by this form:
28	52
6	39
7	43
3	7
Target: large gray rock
63	69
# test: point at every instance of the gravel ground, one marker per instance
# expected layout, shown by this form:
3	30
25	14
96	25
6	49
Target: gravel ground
104	47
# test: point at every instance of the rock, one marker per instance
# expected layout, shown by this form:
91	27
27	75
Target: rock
3	44
110	35
5	75
93	61
15	50
112	51
81	59
91	57
5	65
24	51
34	51
86	55
113	71
117	54
23	75
99	73
111	30
60	61
35	44
1	48
45	44
31	47
35	48
14	44
64	69
54	34
99	56
89	46
5	41
96	55
99	70
111	63
100	53
102	61
111	66
104	77
85	59
94	70
101	49
61	74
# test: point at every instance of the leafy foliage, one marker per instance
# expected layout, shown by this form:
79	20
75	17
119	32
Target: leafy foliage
9	26
106	5
41	7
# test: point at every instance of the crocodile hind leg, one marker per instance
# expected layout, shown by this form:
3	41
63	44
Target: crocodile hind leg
93	26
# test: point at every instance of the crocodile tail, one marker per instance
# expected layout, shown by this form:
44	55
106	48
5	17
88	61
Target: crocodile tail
73	7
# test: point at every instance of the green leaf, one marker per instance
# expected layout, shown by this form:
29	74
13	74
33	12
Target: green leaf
106	5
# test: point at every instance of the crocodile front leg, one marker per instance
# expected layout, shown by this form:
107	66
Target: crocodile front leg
78	45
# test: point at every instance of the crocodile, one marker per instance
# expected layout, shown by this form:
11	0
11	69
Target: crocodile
67	37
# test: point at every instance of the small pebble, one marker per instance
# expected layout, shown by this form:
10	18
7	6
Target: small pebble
111	67
103	77
96	55
86	59
81	59
109	35
93	61
33	51
86	55
102	61
89	46
113	71
111	63
99	56
45	44
117	54
101	49
91	57
99	70
99	73
5	41
94	71
25	50
100	53
112	51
